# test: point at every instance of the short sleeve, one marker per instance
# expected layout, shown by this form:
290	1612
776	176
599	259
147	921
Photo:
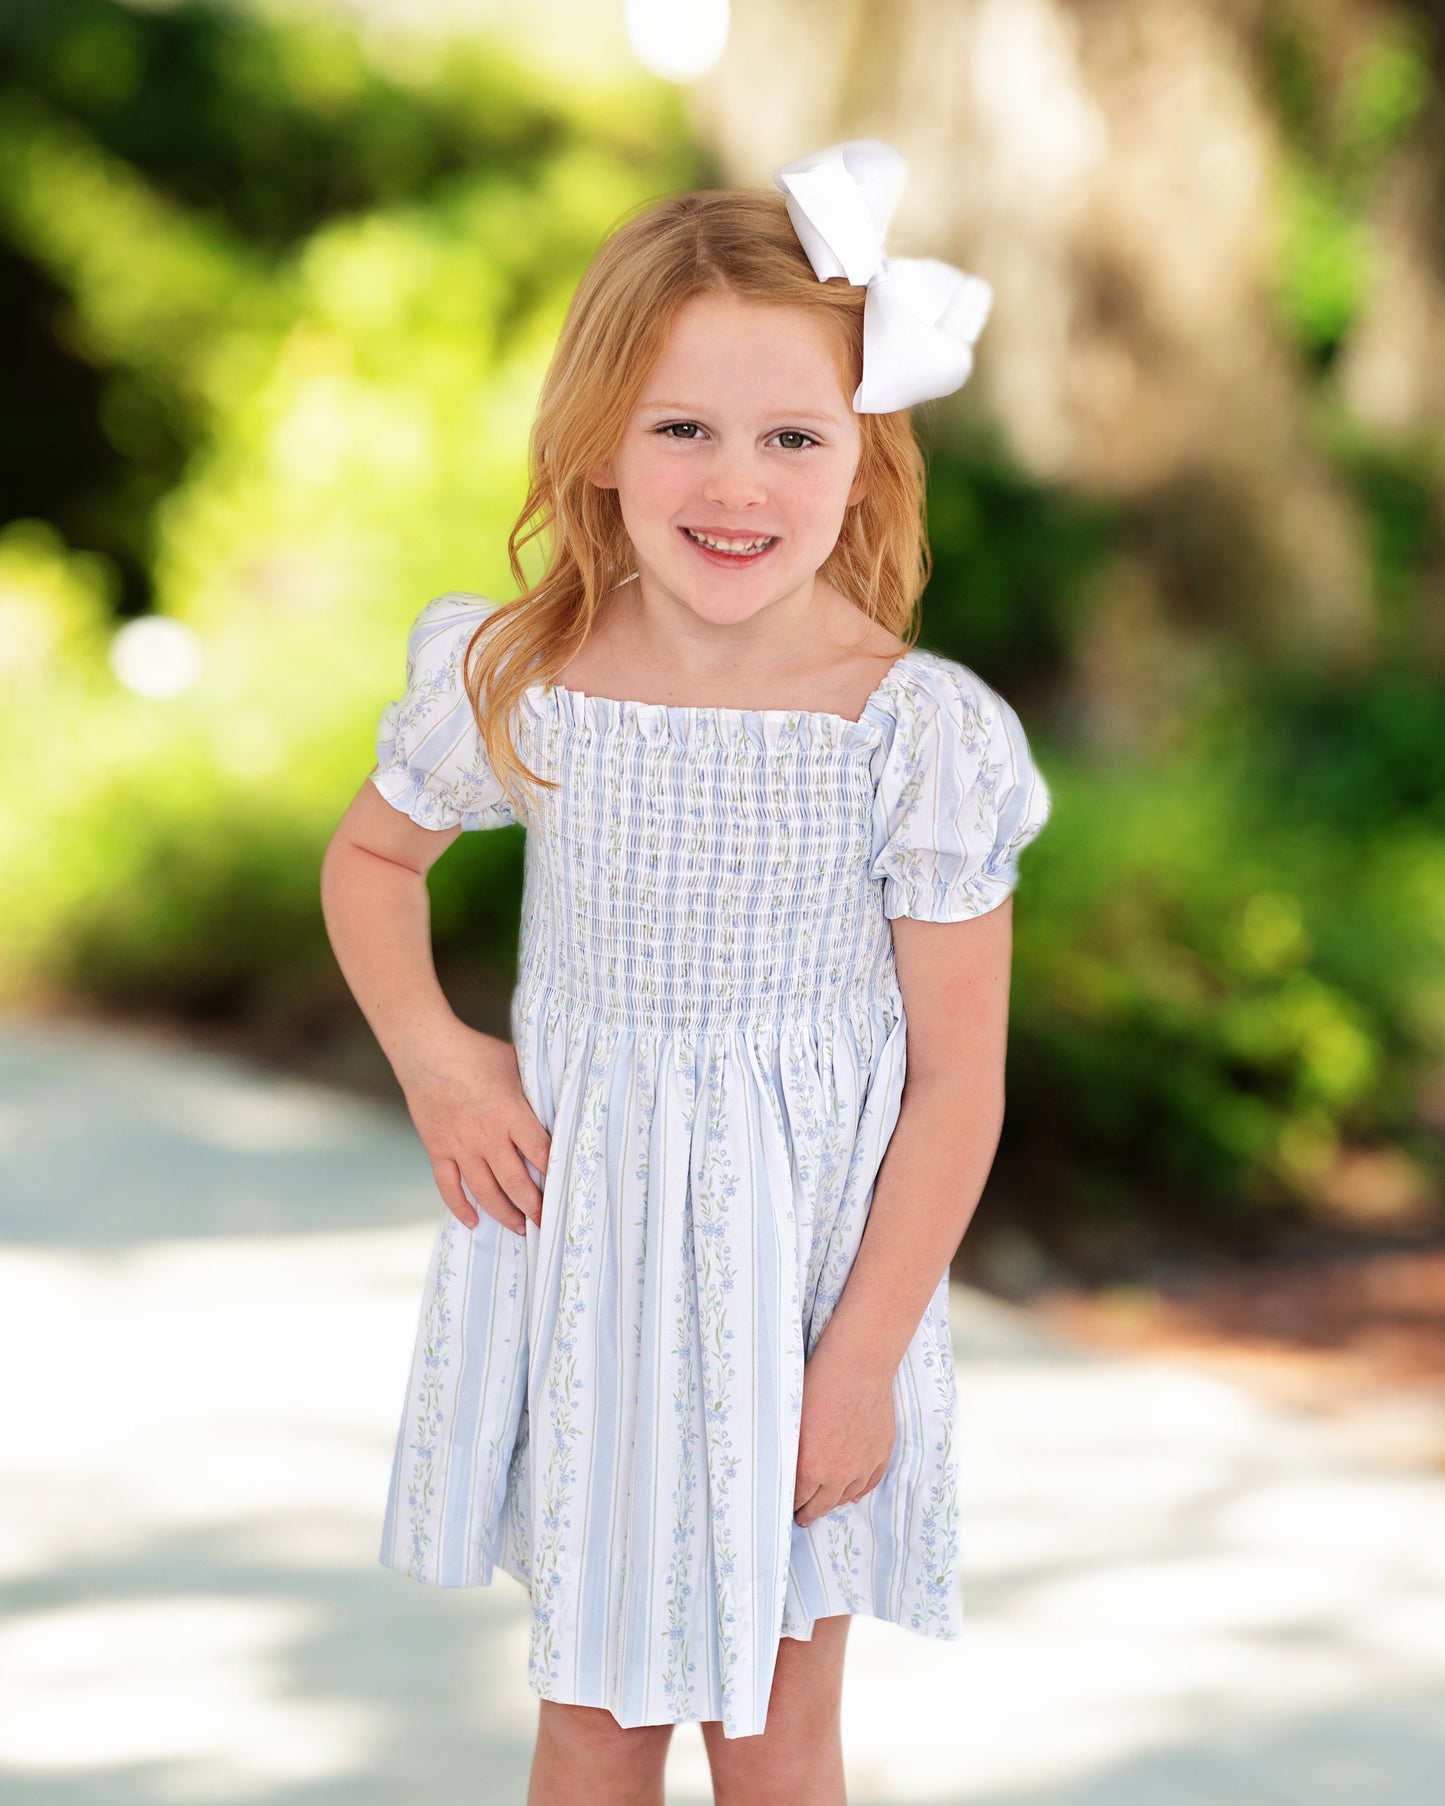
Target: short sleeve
431	759
958	797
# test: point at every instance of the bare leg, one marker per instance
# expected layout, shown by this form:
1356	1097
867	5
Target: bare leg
798	1759
585	1758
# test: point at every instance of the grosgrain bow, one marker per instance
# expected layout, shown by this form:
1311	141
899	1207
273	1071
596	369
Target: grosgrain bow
921	317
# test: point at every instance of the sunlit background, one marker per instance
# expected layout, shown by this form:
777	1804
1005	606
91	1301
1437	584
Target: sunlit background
278	283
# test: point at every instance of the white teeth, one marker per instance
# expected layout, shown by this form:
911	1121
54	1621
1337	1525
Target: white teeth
739	547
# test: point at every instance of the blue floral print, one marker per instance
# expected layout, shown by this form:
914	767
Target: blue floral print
708	1023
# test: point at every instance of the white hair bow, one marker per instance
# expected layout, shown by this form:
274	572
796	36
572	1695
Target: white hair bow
921	317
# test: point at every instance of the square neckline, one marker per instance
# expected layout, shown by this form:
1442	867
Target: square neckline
724	711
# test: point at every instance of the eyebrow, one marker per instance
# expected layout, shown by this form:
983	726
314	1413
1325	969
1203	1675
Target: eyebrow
677	407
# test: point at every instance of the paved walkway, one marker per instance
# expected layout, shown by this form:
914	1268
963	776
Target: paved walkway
208	1284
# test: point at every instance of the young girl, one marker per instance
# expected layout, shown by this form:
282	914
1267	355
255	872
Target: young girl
683	1367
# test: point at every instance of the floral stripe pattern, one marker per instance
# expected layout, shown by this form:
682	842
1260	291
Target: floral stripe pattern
709	1025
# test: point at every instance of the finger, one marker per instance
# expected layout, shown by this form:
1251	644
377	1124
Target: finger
484	1191
867	1483
861	1488
449	1183
516	1183
466	1201
817	1506
534	1142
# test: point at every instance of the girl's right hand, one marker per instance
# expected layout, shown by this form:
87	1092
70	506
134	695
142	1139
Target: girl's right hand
464	1093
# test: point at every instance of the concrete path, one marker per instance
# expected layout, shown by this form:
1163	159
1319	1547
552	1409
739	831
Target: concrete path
209	1279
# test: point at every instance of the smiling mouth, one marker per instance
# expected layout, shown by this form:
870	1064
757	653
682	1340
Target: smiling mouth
739	549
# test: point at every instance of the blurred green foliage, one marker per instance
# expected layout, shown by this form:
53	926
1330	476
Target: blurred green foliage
284	313
1230	966
315	303
1338	138
1012	562
1402	501
1230	959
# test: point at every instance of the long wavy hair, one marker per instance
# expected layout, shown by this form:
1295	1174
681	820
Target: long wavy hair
737	242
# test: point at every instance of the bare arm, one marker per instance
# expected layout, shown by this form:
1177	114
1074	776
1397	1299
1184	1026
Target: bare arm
462	1088
954	977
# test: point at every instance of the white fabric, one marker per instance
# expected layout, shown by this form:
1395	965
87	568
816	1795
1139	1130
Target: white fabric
921	317
709	1025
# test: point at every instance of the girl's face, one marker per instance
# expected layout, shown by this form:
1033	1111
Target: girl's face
743	433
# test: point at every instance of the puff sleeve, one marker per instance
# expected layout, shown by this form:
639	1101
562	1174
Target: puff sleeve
958	798
431	760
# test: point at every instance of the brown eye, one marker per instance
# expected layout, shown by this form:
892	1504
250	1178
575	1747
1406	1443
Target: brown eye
793	433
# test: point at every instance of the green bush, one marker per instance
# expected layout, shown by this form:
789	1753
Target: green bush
352	365
1228	972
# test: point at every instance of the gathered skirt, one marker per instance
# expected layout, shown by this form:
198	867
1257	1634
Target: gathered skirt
607	1407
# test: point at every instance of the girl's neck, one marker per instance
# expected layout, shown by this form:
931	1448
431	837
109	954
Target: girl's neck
837	675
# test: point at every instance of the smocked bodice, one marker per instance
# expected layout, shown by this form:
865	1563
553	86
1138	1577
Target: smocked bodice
709	866
703	866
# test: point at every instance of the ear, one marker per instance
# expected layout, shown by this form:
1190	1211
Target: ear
860	488
603	476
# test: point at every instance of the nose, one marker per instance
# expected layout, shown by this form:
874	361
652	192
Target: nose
734	481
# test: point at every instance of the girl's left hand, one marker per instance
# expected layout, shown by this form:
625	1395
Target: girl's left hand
846	1435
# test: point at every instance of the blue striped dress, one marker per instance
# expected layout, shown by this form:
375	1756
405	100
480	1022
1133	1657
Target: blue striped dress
708	1022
